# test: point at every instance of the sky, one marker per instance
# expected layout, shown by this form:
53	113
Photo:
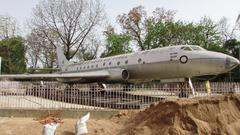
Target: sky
187	10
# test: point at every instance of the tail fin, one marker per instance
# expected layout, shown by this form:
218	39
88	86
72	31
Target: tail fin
62	61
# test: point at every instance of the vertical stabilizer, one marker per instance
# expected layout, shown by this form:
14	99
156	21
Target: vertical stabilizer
61	59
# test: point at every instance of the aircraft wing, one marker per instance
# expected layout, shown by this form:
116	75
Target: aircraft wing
90	74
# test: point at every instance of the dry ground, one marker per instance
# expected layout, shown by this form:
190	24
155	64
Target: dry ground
28	126
209	115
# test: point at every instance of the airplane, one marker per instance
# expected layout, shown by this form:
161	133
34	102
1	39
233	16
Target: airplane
179	61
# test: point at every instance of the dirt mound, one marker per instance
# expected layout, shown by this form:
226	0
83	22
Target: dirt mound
217	115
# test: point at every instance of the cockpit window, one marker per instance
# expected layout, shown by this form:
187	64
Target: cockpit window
182	47
192	48
197	48
186	48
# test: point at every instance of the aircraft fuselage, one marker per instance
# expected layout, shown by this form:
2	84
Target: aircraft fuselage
181	61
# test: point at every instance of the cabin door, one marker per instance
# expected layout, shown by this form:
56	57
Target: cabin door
173	56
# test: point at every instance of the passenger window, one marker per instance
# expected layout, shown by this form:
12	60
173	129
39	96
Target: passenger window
118	63
110	63
126	62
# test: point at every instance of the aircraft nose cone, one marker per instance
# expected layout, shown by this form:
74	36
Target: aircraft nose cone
231	63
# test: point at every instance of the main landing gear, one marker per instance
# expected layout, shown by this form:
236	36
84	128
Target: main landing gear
100	88
183	89
183	93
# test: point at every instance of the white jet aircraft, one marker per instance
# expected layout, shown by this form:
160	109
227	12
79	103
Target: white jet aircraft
181	61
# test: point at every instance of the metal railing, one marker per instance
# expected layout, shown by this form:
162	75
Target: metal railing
53	95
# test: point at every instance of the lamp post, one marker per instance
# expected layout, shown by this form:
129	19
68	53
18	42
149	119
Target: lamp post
0	64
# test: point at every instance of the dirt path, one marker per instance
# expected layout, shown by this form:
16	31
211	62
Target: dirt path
28	126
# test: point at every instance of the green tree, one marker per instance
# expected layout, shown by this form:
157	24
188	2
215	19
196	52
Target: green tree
210	36
161	30
12	51
164	33
232	47
116	44
160	34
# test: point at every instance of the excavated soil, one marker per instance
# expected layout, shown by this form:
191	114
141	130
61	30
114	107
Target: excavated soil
215	116
210	115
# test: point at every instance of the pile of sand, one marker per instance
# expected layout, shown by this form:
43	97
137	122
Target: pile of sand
215	115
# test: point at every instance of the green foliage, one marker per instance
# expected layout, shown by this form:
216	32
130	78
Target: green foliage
161	30
232	46
205	34
209	33
162	34
117	44
12	52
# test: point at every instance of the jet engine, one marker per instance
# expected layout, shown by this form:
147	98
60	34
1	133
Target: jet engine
118	74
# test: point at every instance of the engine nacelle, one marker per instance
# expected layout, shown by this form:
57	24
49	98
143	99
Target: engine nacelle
118	74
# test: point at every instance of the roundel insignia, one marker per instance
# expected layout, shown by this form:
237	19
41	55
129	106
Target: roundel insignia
183	59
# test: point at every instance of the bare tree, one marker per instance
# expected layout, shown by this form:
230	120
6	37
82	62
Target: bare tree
40	51
224	29
228	32
90	50
33	49
135	23
236	29
8	27
163	15
72	21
